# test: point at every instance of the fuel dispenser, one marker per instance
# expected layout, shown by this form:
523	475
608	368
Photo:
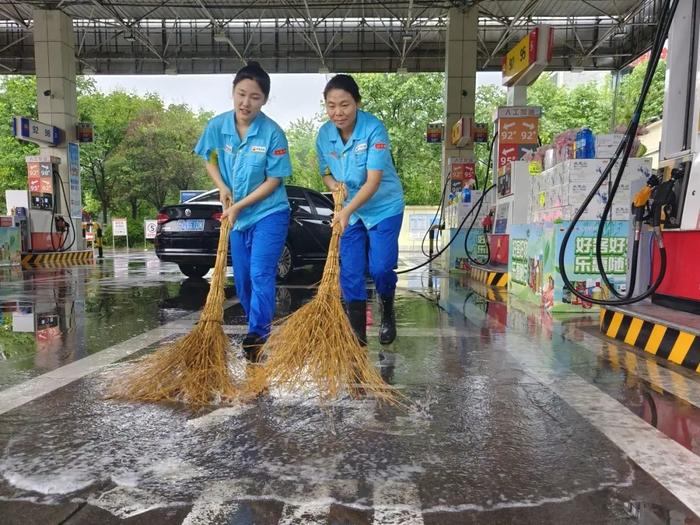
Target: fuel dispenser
678	195
48	228
663	263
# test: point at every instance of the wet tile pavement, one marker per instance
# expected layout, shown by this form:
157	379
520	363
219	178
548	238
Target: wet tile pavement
512	417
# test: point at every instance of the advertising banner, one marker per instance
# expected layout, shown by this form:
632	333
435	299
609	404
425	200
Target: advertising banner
534	263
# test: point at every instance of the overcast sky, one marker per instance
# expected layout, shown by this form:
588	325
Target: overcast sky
291	96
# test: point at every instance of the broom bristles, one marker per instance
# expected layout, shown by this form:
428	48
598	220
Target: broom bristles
195	368
317	345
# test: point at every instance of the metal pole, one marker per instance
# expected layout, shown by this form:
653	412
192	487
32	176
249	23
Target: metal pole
616	96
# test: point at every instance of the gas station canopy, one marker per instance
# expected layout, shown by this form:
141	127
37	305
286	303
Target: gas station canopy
310	36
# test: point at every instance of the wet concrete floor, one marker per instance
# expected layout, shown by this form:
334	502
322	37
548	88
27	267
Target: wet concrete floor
512	416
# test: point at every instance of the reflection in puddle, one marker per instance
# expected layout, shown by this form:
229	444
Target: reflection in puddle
52	317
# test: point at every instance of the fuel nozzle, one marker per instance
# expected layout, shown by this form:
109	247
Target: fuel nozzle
641	201
664	197
61	224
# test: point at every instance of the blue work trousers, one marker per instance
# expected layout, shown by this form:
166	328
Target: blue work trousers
255	252
382	256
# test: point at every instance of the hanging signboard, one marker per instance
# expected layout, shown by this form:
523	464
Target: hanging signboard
84	131
434	133
32	131
528	58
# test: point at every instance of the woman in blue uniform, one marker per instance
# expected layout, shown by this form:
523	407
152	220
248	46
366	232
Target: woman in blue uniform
246	156
353	151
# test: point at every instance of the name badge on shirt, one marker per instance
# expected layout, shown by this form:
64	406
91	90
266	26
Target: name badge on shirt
228	148
258	149
361	147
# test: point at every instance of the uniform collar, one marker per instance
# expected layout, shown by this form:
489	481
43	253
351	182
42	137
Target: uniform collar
335	135
229	127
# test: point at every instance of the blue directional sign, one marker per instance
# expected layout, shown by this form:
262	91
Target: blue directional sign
30	130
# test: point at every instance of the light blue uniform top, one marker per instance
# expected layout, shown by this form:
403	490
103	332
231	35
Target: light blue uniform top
245	164
367	149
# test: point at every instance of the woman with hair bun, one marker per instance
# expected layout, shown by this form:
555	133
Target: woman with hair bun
247	158
354	153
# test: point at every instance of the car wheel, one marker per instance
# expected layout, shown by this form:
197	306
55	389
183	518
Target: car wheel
194	270
284	265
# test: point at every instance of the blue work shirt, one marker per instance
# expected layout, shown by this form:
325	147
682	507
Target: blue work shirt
367	149
245	164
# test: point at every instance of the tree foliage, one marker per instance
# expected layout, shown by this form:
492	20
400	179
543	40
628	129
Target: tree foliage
406	104
111	115
17	98
631	87
142	154
154	160
488	99
301	136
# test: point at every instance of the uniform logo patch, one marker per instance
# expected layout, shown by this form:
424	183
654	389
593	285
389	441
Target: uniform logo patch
228	148
360	148
279	152
258	149
380	145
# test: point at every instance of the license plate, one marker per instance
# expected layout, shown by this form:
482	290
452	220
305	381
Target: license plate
191	225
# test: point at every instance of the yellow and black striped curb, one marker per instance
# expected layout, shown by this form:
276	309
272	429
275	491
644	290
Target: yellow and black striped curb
677	346
497	279
620	358
56	259
490	293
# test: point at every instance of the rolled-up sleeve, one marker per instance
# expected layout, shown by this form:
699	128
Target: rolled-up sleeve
323	168
208	143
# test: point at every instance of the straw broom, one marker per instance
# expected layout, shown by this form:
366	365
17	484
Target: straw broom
316	345
195	368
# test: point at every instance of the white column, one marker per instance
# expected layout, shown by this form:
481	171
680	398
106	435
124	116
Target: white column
517	96
54	56
460	75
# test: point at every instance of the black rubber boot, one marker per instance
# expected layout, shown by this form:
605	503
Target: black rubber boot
252	347
357	313
387	329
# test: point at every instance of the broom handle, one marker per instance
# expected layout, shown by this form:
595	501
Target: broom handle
331	271
213	309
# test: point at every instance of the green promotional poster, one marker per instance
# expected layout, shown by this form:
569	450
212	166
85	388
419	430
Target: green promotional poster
534	263
476	244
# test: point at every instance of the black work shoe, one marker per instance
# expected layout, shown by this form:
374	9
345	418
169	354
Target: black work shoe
357	313
252	347
387	329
